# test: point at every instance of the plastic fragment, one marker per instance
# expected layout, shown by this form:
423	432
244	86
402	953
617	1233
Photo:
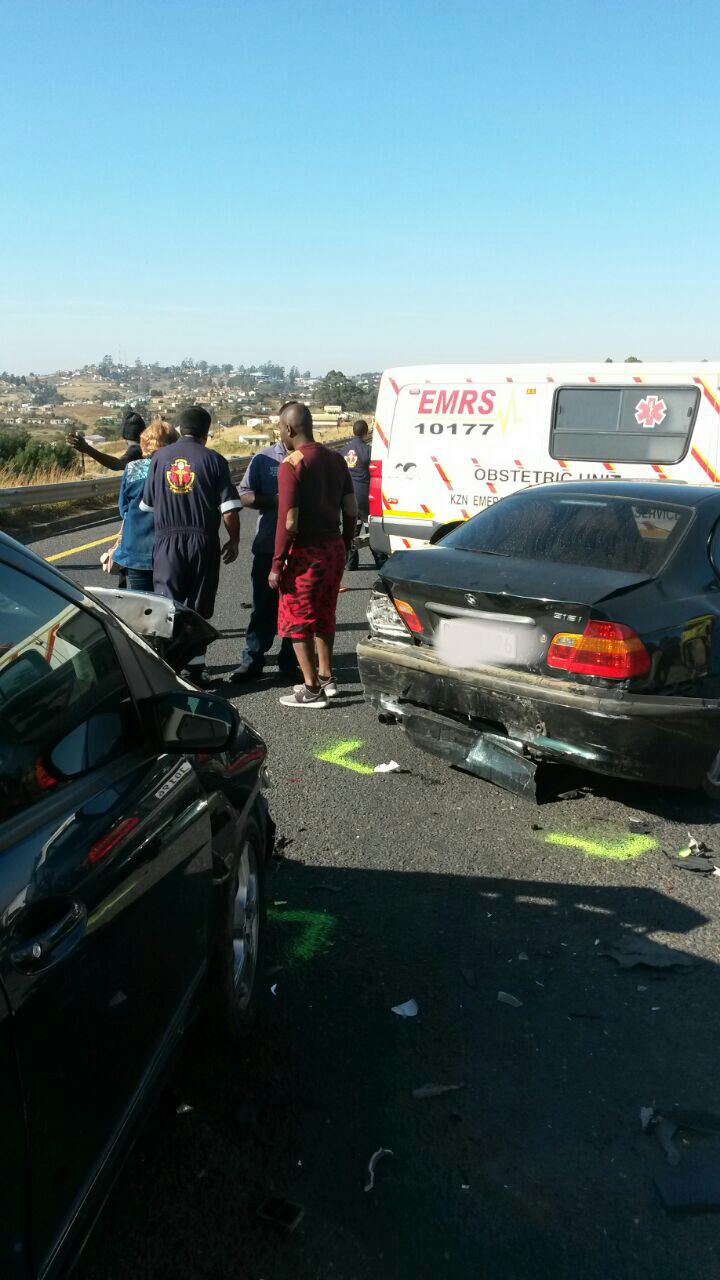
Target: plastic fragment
632	949
647	1115
407	1010
665	1131
183	1109
469	976
375	1159
435	1090
695	1187
273	988
504	997
282	1213
391	767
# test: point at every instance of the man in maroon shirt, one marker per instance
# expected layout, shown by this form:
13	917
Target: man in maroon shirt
315	494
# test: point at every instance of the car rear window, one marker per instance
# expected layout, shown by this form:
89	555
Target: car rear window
623	424
600	532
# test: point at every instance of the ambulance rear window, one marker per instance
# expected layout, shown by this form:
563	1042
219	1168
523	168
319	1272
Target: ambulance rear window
623	424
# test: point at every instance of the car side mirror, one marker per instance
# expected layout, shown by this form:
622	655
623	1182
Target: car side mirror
190	722
443	530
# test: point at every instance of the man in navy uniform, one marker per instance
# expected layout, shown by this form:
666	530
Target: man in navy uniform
259	491
357	456
189	489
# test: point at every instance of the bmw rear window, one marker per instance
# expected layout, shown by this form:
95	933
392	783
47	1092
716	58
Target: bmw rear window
595	531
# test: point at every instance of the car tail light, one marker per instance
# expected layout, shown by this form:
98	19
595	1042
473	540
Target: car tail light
375	503
607	649
408	615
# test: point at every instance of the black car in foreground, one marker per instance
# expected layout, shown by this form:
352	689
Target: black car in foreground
575	623
134	838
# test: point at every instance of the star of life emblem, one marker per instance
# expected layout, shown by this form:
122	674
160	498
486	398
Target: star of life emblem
650	411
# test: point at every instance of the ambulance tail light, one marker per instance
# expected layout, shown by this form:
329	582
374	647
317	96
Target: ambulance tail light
607	649
375	503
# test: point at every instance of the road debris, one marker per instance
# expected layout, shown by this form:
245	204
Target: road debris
639	827
665	1131
281	1213
647	1115
435	1090
504	997
682	1118
407	1010
326	888
691	1188
633	949
469	976
391	767
183	1108
374	1161
695	857
273	989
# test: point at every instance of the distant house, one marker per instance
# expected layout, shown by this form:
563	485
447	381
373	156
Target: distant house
255	422
332	408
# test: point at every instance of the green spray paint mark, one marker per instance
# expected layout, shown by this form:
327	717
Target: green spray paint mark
315	938
337	755
622	848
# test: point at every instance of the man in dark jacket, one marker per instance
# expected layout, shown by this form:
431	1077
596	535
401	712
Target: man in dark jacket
357	456
190	491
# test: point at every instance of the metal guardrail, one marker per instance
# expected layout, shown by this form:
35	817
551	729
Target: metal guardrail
46	495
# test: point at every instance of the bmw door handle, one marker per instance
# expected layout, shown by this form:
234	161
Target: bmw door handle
35	950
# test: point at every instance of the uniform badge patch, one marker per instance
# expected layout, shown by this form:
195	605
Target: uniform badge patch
180	476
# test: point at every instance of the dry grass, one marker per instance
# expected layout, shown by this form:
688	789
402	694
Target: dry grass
41	475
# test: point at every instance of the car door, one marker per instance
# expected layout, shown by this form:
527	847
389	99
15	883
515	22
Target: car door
105	898
13	1208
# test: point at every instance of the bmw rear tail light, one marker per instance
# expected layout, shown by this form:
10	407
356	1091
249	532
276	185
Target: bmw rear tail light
408	615
375	503
607	649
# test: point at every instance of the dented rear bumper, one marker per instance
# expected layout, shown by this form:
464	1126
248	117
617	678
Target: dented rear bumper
502	723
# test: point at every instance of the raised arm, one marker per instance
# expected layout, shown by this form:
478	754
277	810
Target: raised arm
79	442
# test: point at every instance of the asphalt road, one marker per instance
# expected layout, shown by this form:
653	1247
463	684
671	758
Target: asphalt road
431	885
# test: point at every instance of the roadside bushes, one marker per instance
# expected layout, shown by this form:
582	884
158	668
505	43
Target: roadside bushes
22	455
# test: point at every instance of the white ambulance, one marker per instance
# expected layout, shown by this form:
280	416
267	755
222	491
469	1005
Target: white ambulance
450	440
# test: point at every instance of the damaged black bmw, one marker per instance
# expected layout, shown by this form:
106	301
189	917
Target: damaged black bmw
570	624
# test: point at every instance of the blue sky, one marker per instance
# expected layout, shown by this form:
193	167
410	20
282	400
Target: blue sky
359	184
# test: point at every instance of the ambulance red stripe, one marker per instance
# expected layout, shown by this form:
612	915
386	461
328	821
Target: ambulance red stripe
708	394
442	475
703	462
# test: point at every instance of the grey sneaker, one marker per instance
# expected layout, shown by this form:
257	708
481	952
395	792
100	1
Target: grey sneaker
328	686
304	697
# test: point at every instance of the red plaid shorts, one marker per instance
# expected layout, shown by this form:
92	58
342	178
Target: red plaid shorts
309	586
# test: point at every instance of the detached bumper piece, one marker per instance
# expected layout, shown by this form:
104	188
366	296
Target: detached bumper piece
515	729
176	632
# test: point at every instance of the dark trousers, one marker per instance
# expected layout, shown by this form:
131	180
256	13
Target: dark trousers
186	567
353	560
140	579
262	627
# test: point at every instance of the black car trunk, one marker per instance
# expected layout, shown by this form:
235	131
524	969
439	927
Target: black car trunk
492	602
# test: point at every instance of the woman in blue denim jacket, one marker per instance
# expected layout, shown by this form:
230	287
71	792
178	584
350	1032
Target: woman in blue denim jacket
134	550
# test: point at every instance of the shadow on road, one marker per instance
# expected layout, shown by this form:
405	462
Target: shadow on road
535	1170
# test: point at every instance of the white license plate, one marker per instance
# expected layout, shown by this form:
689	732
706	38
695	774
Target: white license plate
470	642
